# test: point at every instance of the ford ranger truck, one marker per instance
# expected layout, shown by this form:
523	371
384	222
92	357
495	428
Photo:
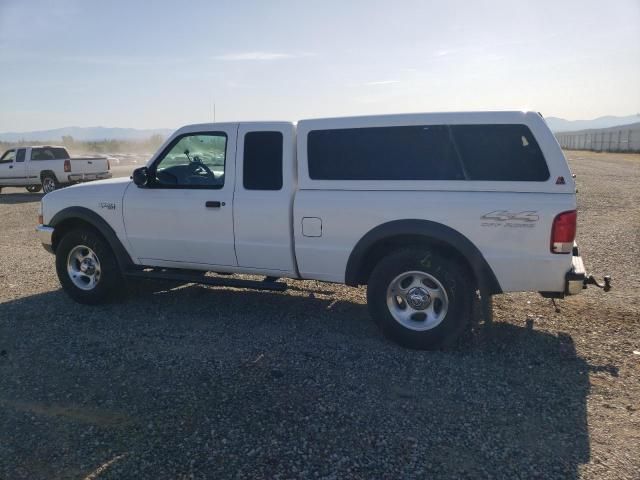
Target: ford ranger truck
427	210
48	168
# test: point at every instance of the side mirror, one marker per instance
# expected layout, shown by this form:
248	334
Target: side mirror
141	177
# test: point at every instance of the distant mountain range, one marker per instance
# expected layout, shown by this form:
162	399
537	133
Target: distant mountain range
106	133
562	125
85	134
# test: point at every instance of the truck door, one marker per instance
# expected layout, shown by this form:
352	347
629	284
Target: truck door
20	169
7	168
184	218
263	204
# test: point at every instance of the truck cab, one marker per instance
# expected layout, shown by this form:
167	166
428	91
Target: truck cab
13	167
228	214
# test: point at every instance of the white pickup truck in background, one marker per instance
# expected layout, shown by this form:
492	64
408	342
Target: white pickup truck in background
48	168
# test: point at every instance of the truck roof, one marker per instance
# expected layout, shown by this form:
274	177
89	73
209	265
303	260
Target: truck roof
39	146
507	116
497	116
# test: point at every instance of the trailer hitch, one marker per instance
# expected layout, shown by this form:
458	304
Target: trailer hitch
591	280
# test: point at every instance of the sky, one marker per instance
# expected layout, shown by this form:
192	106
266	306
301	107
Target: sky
162	64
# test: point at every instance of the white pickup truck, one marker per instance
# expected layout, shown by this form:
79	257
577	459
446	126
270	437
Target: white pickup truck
428	210
48	168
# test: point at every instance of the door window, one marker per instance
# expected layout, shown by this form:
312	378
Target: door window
192	161
20	155
8	156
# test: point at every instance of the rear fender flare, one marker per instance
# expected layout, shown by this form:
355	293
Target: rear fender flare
430	231
50	173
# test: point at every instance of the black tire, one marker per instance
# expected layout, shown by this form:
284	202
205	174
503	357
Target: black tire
49	183
453	277
108	286
33	188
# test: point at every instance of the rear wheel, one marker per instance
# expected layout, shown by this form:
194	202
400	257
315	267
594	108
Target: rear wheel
87	267
33	188
49	183
420	299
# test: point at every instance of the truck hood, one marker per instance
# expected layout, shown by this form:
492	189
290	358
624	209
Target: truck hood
112	182
103	197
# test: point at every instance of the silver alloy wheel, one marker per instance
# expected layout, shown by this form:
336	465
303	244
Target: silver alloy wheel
417	300
83	267
48	184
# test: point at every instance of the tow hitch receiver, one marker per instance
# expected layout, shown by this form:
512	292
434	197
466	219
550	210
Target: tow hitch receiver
577	279
591	280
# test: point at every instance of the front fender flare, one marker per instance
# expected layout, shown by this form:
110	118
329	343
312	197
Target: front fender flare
100	224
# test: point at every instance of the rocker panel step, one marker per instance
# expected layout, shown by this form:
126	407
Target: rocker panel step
213	281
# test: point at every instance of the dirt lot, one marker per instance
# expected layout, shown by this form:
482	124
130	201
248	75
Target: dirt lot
197	382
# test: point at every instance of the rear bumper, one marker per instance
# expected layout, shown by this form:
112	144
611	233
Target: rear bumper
575	278
86	177
45	235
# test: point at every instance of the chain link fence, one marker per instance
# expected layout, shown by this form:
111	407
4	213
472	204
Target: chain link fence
625	138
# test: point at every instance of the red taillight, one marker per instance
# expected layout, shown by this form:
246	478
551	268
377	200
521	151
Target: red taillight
67	165
563	232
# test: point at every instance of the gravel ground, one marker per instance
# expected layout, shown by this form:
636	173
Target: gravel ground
197	382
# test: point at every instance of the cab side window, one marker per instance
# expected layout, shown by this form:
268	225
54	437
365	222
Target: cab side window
42	154
192	161
262	165
20	155
8	156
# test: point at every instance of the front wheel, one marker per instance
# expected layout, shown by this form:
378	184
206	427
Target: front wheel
420	299
87	267
33	188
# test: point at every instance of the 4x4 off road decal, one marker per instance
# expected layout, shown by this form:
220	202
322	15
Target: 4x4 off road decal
504	218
